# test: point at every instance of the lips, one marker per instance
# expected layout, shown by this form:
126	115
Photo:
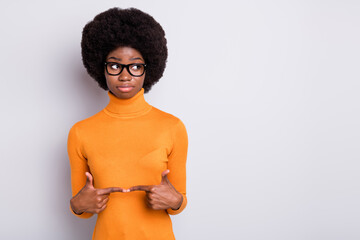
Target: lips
124	88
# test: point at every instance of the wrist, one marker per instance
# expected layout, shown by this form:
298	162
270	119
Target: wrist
178	202
75	206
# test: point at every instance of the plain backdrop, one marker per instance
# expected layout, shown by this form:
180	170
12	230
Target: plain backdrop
269	92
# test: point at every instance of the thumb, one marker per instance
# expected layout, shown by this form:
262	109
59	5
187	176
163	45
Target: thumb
89	180
164	179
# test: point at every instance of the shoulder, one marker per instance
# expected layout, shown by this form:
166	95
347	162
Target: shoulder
170	123
166	118
87	123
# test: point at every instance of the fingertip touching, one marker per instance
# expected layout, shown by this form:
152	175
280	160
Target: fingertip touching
145	188
165	173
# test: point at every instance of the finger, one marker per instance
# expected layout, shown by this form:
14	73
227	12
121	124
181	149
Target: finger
164	178
104	201
101	198
148	204
149	196
89	180
101	209
146	188
105	191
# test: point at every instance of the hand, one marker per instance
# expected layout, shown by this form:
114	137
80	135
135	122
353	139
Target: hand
162	196
90	199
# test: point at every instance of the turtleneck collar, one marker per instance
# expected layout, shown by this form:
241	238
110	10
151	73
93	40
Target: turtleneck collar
127	108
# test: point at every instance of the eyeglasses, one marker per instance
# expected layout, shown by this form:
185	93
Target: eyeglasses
135	69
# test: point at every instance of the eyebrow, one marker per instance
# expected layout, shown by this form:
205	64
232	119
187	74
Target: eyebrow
119	59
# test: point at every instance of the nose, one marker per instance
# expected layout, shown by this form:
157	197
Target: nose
124	75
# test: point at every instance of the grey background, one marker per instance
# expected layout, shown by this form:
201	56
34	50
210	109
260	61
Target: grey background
268	90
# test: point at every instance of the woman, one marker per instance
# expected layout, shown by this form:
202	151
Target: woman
128	162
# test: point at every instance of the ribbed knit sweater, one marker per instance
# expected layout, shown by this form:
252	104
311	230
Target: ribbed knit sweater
129	143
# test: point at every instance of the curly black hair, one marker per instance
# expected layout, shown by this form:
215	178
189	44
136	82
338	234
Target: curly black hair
124	27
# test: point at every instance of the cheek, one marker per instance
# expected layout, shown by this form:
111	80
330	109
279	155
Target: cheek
142	80
110	80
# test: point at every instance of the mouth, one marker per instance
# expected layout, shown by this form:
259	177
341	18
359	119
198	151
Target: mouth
125	88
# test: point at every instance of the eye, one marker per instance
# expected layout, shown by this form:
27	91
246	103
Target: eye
137	67
114	66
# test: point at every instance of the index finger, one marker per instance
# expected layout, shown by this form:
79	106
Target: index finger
146	188
104	191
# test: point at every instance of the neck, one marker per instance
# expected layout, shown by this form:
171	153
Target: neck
127	108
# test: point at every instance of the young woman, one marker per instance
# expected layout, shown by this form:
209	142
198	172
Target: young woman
128	162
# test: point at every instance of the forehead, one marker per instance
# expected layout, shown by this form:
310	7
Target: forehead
125	53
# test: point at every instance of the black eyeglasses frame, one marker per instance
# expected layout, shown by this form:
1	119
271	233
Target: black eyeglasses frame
127	68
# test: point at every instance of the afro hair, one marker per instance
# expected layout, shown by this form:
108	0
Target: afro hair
124	27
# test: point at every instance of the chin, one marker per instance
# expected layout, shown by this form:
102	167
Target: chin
126	95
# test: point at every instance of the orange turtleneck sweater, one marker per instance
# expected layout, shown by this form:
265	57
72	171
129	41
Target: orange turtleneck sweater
129	143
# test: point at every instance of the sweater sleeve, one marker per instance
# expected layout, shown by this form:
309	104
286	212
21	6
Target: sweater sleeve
78	165
177	164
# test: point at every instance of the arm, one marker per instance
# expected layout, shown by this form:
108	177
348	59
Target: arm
86	199
177	164
170	194
78	165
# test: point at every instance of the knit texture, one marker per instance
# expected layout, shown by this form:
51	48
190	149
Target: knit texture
126	144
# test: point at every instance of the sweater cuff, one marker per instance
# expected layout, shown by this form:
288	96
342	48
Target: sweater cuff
181	208
83	215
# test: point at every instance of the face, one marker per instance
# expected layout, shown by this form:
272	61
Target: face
124	85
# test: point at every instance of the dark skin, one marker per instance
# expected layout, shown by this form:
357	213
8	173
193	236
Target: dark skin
162	196
124	85
90	199
158	197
